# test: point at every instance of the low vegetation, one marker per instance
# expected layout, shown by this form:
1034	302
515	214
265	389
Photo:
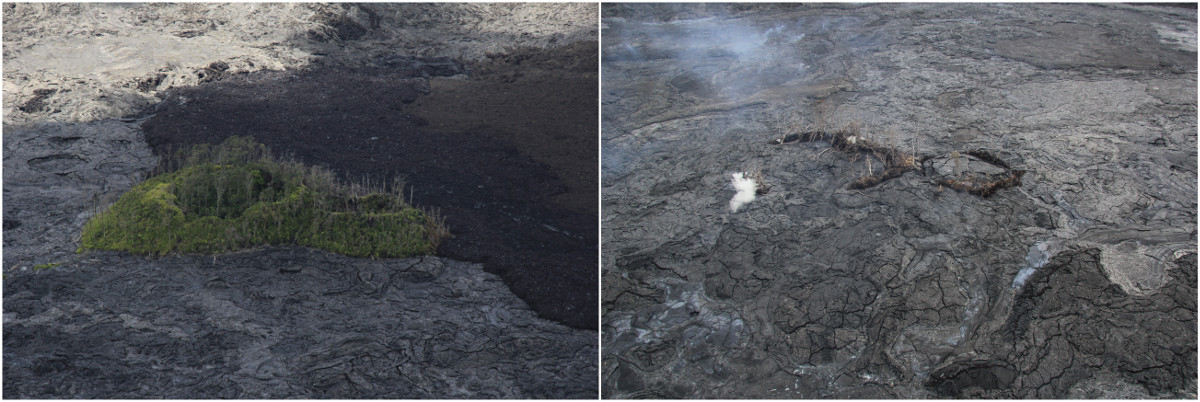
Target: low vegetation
234	195
46	266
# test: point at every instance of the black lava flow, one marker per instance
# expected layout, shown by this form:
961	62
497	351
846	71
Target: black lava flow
493	197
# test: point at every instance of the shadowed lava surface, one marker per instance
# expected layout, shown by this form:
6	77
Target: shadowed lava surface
1080	282
496	198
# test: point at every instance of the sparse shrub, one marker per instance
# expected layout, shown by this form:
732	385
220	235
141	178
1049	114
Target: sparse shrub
746	190
46	266
760	183
236	195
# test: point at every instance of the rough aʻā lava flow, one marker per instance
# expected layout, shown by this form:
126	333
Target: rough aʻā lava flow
95	93
1022	223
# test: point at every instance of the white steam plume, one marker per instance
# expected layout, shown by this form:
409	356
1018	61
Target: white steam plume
745	191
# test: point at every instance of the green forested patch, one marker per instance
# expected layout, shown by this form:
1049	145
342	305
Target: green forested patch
236	195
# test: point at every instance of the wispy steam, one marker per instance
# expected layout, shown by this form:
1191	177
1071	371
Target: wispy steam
735	58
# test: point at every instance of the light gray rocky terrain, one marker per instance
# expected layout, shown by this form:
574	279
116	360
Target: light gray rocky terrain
100	61
278	322
1078	282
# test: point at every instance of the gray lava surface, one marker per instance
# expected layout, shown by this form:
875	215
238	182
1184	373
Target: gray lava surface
1079	282
272	322
283	323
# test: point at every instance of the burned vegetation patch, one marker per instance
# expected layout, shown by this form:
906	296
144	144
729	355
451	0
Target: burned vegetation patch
896	162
